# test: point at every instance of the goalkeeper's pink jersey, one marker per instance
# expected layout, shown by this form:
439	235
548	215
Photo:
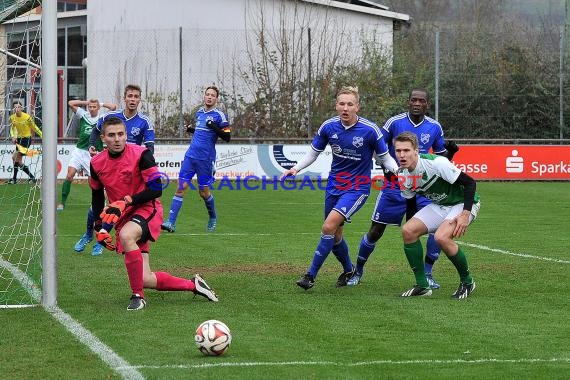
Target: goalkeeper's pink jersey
121	176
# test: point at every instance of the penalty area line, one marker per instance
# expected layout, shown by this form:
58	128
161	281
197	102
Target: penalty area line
356	364
505	252
104	352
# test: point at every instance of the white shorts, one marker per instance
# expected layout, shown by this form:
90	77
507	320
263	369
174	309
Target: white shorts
434	215
80	160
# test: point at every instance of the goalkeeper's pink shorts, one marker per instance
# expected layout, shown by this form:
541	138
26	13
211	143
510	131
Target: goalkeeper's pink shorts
149	217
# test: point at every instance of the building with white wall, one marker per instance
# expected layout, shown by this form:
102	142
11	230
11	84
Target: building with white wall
162	45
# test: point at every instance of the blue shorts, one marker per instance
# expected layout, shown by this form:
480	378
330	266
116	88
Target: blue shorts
391	207
347	204
202	168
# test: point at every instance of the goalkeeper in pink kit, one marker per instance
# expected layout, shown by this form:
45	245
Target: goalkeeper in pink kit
129	175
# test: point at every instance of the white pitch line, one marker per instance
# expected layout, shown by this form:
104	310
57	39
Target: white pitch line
357	364
104	352
504	252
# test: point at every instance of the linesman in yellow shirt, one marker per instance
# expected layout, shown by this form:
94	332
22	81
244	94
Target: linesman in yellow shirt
22	126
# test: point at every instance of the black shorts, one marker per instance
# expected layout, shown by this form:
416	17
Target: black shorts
143	223
24	142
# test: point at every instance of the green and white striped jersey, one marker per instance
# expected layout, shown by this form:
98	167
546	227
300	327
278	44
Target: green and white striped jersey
434	178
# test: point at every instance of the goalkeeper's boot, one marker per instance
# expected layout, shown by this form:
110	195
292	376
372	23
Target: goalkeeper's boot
168	226
344	277
307	281
417	291
431	282
12	181
97	249
82	243
211	225
355	279
203	289
137	302
32	180
464	290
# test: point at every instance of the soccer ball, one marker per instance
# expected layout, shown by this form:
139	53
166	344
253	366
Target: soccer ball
213	337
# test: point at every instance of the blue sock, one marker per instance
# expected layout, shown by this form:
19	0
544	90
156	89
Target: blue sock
340	250
175	207
90	221
432	253
321	253
364	252
211	207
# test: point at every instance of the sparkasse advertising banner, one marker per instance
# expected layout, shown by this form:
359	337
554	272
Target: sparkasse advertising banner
486	162
515	162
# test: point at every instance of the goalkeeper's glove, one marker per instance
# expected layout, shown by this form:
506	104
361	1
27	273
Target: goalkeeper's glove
112	212
451	148
190	129
103	237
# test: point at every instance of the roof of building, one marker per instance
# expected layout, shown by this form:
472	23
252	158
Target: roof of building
364	6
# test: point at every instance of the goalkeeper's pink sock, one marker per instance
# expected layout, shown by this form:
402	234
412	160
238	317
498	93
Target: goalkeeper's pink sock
134	265
166	281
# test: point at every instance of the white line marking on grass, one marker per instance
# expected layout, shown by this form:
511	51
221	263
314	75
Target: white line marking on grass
357	364
103	351
485	248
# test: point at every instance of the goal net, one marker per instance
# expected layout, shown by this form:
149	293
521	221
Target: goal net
20	197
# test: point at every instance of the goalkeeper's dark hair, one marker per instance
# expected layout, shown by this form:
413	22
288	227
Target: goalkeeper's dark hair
111	120
213	88
134	87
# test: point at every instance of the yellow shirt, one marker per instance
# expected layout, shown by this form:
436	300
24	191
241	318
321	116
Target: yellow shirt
21	126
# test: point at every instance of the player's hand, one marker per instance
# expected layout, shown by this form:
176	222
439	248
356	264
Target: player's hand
190	129
103	237
14	141
451	148
112	212
210	124
390	175
92	151
461	223
288	173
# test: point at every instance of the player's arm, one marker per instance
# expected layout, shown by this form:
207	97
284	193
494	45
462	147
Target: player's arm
97	193
109	106
387	162
33	126
95	134
150	146
149	137
223	132
13	131
462	220
469	188
450	149
76	103
153	182
308	159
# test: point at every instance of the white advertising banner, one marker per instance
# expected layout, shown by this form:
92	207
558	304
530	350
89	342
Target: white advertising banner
232	160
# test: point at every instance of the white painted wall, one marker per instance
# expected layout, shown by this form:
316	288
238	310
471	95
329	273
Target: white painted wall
137	41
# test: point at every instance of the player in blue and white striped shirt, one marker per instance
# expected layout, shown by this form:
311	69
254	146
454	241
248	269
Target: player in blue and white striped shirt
354	140
211	123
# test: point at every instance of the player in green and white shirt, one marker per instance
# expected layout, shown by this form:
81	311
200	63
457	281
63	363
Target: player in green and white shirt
80	158
455	205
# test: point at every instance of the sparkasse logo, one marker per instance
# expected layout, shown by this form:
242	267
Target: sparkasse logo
514	164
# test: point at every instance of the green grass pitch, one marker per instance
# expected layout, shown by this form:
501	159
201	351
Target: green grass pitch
515	324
